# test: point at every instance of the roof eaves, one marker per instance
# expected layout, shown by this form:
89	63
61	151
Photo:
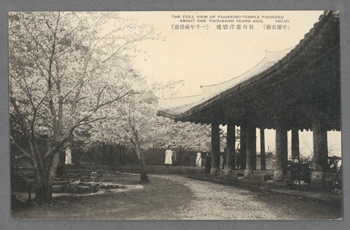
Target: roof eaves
289	56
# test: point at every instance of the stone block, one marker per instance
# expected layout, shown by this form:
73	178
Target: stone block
59	188
248	173
317	180
227	171
278	175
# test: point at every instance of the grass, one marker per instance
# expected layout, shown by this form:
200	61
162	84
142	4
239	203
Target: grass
161	199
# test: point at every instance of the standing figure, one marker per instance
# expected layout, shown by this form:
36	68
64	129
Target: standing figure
207	164
168	155
68	160
174	157
239	159
221	161
199	160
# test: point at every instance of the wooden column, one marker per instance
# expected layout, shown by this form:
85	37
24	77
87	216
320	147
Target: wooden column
320	158
215	147
262	149
230	148
295	144
281	152
320	146
241	161
251	151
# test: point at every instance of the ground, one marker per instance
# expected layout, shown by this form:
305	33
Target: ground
189	196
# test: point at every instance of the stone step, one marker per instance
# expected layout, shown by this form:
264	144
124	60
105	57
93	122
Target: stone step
59	188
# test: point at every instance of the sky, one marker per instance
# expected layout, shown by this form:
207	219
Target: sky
209	55
201	48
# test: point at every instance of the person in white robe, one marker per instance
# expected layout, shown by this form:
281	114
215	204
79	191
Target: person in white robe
199	160
168	155
68	159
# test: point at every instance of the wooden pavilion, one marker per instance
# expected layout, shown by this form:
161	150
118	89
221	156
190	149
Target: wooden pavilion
296	89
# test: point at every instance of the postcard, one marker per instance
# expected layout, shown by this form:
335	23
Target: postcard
175	115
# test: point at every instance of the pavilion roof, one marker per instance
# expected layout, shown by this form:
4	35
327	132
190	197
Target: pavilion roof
283	82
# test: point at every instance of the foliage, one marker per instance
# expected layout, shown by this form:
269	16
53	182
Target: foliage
190	136
67	70
168	90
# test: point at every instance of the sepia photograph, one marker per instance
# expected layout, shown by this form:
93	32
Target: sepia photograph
175	115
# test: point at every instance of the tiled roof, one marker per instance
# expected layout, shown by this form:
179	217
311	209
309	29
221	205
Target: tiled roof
263	73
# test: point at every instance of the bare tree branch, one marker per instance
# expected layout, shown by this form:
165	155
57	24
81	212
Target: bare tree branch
111	56
20	148
99	40
20	116
33	37
111	101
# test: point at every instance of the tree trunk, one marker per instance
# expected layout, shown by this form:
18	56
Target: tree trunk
111	157
179	155
43	192
143	177
61	164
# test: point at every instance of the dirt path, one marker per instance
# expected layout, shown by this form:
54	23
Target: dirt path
218	202
213	200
